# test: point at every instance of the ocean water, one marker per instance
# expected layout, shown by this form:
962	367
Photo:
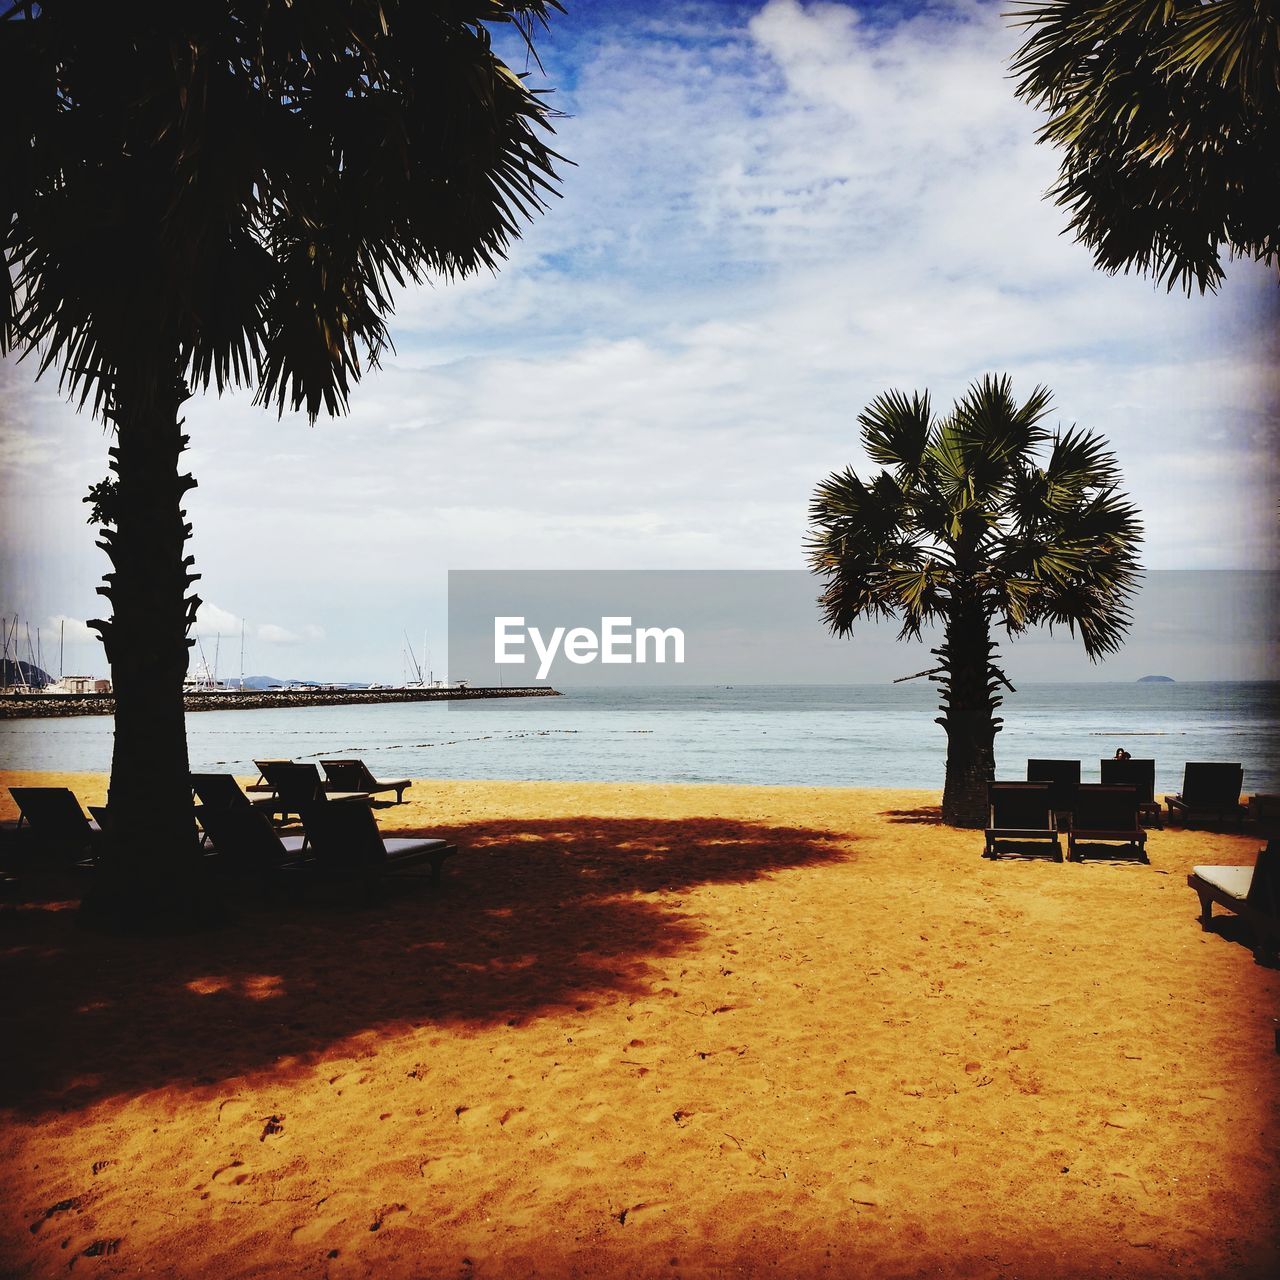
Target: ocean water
848	735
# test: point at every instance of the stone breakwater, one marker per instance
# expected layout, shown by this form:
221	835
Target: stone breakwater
104	704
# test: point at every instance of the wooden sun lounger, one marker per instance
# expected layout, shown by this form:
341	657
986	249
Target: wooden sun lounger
1253	893
262	784
354	775
1135	773
1020	811
1063	777
58	824
294	786
222	791
346	842
1210	793
1106	814
245	844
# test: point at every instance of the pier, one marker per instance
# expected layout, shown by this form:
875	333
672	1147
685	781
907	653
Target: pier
104	704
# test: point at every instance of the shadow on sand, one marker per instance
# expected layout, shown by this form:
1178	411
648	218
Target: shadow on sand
929	815
1237	931
1024	851
1117	855
531	915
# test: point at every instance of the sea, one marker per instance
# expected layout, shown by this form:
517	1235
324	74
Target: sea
783	735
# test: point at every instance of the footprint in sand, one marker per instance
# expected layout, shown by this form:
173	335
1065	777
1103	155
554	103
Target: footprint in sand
315	1229
348	1080
1123	1120
232	1111
62	1206
352	1225
102	1248
225	1182
638	1212
386	1211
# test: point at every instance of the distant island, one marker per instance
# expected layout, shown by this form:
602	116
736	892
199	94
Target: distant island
1155	680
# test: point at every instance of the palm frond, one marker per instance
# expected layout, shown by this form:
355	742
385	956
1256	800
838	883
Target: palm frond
993	434
1079	461
1164	113
979	525
168	180
895	431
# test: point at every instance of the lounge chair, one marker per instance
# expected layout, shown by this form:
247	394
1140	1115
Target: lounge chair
1210	793
222	791
1063	777
1253	893
1105	813
58	823
1020	811
346	842
262	784
294	786
354	775
246	843
1264	813
1135	773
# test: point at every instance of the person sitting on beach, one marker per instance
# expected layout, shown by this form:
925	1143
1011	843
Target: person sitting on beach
1121	754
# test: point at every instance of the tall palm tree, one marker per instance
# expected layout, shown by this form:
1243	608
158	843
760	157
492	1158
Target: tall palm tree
1168	116
228	192
966	526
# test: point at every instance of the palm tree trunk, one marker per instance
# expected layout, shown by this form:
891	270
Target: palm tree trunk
149	877
968	715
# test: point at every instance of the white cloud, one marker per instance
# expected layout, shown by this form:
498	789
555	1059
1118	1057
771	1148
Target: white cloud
214	621
270	633
72	630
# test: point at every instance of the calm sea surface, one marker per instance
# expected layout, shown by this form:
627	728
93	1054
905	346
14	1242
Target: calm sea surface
851	735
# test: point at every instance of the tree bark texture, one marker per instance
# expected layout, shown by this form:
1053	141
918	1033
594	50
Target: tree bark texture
968	706
150	874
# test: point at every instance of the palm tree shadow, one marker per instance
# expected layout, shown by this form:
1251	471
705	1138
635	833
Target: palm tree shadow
929	815
532	916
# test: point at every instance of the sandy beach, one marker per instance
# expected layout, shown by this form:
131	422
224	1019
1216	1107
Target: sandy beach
653	1031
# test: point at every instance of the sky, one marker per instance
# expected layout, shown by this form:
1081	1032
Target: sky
774	212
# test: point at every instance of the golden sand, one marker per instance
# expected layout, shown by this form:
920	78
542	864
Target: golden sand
655	1031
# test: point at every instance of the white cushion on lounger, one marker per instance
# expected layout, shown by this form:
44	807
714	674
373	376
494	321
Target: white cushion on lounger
293	844
1231	880
399	844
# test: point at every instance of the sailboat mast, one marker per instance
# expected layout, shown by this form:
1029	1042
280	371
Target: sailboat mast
203	661
241	655
412	658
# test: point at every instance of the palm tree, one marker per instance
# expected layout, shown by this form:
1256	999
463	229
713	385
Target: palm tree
1168	116
228	194
965	526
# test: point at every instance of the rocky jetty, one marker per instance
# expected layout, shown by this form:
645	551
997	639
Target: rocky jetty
104	704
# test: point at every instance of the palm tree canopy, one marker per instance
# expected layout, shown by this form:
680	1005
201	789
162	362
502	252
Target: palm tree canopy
1168	116
247	181
984	505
